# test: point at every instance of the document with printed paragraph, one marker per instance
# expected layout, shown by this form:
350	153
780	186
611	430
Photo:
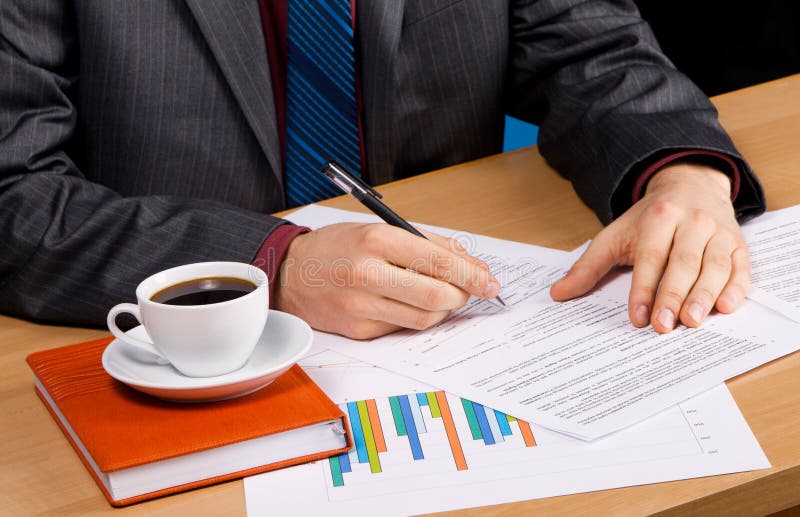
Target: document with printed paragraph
577	367
774	242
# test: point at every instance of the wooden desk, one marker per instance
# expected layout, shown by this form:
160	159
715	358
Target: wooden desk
511	196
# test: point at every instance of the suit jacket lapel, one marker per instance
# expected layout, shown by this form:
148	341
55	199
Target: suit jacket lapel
379	26
233	31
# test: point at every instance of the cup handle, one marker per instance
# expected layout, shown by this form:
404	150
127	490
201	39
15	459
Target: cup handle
139	344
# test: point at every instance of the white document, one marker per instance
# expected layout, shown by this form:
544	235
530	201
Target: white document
578	367
774	242
315	216
499	460
522	269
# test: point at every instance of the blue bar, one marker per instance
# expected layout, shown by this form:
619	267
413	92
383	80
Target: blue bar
417	413
422	399
502	421
344	461
480	415
498	436
352	454
411	428
358	432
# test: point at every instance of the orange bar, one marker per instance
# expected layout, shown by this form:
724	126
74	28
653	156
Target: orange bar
450	429
377	430
527	434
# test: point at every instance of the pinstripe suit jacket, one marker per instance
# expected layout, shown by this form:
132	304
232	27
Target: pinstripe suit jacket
140	134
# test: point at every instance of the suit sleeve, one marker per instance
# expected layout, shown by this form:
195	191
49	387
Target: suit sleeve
70	248
608	101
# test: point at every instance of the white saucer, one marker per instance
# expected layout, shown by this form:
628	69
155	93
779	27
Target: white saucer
286	339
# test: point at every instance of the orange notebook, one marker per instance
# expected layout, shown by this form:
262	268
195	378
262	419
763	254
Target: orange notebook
138	447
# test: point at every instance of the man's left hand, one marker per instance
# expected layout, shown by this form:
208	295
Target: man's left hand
687	251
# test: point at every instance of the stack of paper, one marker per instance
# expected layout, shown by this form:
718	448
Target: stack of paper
577	369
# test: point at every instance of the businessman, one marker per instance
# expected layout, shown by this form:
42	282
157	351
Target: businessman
135	136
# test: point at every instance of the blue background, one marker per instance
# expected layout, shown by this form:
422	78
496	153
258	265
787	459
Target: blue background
519	134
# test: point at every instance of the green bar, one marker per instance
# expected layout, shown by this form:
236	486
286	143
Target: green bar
510	418
397	413
473	422
369	437
434	405
336	471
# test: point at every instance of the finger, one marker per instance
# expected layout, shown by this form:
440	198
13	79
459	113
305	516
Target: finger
735	291
683	270
363	328
649	260
410	251
407	316
392	312
456	247
415	289
602	254
445	242
714	275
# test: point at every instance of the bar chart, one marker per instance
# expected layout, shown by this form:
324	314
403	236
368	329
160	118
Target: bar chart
409	414
419	450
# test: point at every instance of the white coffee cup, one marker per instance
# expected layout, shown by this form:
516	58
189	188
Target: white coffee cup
198	340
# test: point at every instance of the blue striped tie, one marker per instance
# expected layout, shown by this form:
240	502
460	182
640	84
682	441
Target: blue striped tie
321	110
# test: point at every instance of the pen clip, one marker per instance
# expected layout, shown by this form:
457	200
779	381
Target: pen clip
333	170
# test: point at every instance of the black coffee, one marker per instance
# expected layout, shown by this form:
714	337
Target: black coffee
203	291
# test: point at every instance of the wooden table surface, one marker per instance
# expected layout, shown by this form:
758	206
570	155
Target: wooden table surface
510	196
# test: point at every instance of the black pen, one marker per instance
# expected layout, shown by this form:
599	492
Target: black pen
371	198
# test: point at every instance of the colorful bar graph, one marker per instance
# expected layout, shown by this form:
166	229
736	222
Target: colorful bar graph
369	438
450	429
410	421
411	429
377	428
492	426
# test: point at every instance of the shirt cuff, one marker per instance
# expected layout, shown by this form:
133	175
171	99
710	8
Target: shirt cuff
272	252
729	168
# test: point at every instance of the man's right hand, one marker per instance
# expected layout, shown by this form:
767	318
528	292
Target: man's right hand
367	280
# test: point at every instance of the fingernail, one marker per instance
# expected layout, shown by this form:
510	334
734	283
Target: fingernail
491	290
641	315
696	312
666	318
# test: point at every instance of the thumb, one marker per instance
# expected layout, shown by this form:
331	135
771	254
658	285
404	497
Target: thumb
586	272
